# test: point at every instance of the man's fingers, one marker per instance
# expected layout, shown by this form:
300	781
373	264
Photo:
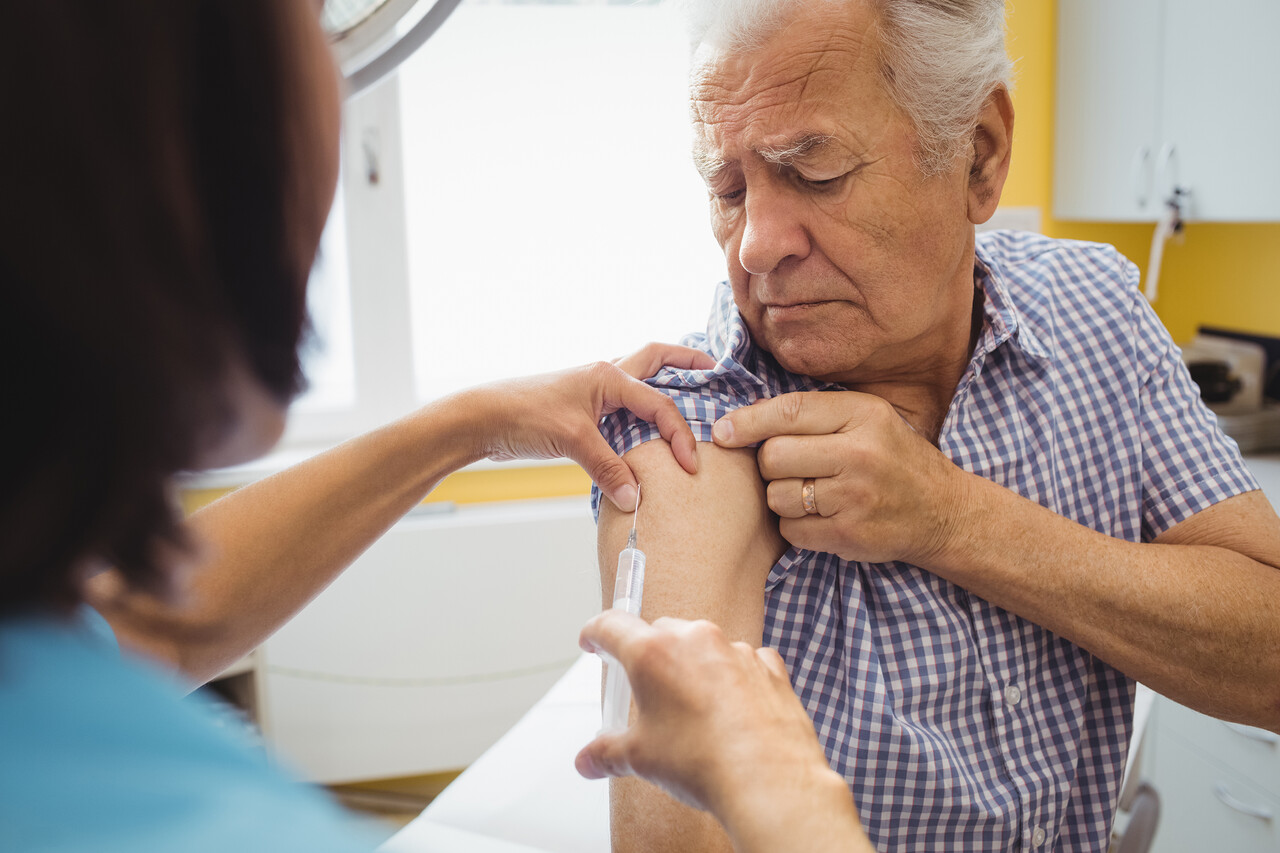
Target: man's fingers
800	456
800	413
785	498
653	357
814	533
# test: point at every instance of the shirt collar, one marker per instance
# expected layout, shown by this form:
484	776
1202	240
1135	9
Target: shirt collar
1004	322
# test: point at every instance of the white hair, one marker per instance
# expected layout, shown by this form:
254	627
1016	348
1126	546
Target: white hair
940	59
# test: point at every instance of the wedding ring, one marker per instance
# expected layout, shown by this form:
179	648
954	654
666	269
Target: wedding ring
807	498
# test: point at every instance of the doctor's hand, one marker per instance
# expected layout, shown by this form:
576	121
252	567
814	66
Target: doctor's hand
557	415
848	476
718	727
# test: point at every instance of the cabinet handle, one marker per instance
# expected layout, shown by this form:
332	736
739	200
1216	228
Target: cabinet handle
1140	175
1224	794
1262	735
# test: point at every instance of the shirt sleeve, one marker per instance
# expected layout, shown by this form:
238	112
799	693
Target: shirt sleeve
1188	463
702	396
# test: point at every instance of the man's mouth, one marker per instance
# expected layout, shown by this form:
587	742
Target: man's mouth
793	310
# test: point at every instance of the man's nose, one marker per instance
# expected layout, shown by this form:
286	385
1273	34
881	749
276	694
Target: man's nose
773	232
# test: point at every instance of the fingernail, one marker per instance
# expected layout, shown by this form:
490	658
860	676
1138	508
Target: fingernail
625	498
722	431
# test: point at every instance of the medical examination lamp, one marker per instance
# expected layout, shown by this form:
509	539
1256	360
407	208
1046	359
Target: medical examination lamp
371	38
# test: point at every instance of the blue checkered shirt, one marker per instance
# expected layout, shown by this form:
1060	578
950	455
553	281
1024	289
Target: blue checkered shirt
959	725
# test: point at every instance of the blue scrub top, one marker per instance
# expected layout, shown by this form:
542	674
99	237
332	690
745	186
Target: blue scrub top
101	753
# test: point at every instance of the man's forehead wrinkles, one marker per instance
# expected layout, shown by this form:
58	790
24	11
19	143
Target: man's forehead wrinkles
758	89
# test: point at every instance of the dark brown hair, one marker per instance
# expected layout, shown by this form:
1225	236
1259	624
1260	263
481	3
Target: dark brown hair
154	170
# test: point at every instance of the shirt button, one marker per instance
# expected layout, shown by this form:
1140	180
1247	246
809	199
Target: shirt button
1037	837
1012	694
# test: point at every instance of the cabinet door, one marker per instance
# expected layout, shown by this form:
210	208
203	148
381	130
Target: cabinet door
1108	110
1221	108
1208	808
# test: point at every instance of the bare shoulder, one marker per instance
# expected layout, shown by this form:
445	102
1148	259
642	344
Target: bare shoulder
709	537
1246	524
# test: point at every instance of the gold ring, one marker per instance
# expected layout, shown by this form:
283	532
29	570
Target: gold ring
807	498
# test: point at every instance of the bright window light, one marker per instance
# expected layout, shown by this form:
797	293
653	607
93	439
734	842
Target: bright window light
554	216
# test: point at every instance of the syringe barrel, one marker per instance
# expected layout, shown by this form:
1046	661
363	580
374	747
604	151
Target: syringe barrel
628	589
616	713
628	585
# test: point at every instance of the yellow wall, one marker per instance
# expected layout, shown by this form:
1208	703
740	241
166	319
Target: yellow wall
1222	275
466	487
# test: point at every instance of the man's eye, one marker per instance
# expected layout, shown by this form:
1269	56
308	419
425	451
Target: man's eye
825	183
731	195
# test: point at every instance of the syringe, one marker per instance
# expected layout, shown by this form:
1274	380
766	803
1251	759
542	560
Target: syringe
628	588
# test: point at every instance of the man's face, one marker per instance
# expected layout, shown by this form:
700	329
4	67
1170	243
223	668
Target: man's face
846	263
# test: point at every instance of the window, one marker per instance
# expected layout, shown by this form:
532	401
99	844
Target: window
553	210
550	214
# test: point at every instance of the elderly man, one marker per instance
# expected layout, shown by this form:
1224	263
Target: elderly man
1006	503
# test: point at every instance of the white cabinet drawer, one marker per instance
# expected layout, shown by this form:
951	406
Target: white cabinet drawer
1252	753
1208	807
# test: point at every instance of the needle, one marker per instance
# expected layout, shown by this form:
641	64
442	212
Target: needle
631	537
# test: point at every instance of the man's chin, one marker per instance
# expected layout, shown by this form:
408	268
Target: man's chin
815	359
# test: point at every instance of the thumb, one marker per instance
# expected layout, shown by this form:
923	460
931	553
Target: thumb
798	413
604	757
609	472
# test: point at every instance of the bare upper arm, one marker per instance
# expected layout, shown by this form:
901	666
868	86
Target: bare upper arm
709	541
1245	523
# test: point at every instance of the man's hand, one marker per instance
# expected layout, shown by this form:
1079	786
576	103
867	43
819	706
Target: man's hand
558	415
881	491
719	728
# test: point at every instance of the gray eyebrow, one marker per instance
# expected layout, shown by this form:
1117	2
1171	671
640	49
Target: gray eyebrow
799	146
709	165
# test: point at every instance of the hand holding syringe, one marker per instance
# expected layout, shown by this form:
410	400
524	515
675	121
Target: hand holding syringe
628	588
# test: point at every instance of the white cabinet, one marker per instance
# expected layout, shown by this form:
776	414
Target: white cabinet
1157	94
434	642
1219	784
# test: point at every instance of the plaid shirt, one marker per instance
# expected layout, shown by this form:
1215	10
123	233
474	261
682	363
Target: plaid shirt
959	725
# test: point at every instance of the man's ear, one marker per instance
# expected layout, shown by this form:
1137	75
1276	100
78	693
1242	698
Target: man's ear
990	151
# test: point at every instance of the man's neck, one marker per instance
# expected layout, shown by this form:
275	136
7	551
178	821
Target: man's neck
923	395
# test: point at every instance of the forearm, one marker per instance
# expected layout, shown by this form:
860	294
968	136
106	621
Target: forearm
272	546
1198	623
